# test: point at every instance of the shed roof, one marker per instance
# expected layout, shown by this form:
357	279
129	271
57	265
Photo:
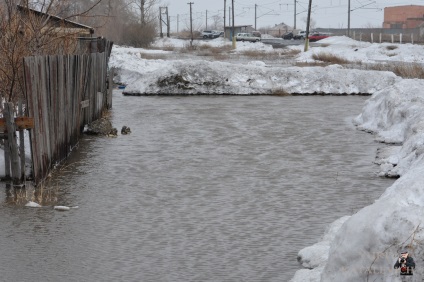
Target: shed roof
56	19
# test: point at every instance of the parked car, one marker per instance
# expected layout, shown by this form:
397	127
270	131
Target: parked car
247	37
210	34
288	36
317	36
300	35
257	33
220	33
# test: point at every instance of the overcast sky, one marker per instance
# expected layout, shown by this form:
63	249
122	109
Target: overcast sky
325	13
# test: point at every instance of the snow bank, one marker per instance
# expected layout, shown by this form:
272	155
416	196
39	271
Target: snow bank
183	77
364	52
368	244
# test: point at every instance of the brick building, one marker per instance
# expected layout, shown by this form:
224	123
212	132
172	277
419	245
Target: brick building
402	17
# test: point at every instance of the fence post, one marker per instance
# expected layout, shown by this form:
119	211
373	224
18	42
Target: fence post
11	135
21	144
6	158
372	37
393	38
400	38
412	38
380	37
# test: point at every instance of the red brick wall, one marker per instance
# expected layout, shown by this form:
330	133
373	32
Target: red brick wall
399	15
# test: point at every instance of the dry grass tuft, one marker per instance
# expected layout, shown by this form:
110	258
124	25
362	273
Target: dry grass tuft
153	56
188	48
311	64
221	56
290	52
165	47
260	55
168	47
203	47
216	52
404	70
330	58
45	196
411	70
225	48
253	53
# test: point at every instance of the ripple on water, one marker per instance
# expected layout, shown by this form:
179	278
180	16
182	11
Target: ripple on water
203	189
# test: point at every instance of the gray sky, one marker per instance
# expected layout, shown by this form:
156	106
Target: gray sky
325	13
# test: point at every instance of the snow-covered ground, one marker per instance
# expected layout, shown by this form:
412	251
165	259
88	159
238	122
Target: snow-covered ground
186	77
358	247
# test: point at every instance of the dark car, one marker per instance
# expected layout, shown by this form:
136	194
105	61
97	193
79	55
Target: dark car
288	35
317	36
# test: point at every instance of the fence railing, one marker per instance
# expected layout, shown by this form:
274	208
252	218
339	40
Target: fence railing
63	94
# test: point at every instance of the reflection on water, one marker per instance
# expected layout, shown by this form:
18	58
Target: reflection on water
203	189
44	195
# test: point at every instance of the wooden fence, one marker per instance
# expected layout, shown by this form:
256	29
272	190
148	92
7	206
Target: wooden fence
63	94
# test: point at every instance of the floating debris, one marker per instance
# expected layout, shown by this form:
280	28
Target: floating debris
125	130
33	205
62	208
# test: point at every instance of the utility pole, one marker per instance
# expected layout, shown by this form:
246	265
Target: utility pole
160	22
206	19
178	23
348	19
307	26
232	28
295	2
191	23
225	9
229	15
167	22
255	15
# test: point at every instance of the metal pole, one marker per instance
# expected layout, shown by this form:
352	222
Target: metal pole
229	15
232	28
160	22
191	24
255	15
168	31
307	26
348	19
225	9
294	26
206	19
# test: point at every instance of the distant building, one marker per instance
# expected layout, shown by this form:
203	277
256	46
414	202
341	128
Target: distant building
279	29
403	17
238	29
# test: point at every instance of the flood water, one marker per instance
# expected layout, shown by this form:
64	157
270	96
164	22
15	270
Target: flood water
203	189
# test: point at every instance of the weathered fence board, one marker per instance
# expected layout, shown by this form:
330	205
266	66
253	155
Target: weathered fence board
56	86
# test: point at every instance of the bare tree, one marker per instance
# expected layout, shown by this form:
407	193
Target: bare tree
312	23
146	9
141	24
32	29
217	22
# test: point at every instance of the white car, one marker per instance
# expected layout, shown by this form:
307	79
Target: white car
300	35
210	34
247	37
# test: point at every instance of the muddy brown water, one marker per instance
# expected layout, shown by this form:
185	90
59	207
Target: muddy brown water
205	188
